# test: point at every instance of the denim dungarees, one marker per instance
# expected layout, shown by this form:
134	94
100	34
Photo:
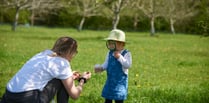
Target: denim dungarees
116	86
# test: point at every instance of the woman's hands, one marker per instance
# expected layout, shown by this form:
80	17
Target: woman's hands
73	90
77	75
86	75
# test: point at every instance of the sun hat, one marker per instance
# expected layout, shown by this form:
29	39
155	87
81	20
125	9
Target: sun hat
116	35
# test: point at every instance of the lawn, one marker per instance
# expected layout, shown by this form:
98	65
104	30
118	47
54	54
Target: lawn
166	69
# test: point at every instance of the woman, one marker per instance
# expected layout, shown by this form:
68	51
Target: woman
47	74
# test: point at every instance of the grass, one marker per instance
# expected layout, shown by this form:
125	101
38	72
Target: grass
166	69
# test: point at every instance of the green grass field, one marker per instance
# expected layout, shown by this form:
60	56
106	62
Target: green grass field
166	69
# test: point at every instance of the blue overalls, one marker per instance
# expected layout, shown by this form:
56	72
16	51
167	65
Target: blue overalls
116	86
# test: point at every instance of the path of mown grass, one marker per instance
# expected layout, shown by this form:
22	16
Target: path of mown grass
166	69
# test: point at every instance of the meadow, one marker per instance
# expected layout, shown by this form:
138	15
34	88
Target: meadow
166	69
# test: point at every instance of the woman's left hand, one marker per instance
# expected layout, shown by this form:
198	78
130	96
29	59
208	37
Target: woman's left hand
76	75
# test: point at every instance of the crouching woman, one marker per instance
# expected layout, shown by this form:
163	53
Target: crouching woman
47	74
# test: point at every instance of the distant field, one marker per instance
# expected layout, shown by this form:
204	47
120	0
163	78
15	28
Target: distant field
166	69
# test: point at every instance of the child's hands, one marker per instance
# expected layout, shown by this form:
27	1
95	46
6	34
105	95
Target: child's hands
97	68
117	54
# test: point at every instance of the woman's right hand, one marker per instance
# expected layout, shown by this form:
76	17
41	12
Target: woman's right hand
86	75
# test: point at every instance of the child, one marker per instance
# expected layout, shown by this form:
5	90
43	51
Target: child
118	61
47	74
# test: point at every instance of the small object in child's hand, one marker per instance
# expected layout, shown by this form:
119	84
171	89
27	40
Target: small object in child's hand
97	66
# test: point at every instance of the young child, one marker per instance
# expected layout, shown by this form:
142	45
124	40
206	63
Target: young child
118	61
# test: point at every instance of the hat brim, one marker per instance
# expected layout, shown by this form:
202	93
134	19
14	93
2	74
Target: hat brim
113	39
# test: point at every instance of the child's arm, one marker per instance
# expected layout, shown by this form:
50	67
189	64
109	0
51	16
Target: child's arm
100	68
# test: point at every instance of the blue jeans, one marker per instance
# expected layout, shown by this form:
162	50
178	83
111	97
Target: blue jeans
54	87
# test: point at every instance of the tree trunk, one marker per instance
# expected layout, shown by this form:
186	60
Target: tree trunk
81	23
136	20
172	26
32	18
1	16
16	19
116	20
152	31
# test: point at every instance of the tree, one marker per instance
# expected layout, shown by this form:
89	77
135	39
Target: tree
178	10
1	11
33	5
18	5
115	7
203	19
86	9
38	7
132	12
152	9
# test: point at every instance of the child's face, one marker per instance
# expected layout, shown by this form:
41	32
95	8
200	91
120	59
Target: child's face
120	45
115	45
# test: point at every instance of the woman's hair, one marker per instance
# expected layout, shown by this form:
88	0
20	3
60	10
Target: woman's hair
65	46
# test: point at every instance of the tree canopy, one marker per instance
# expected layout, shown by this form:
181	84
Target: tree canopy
188	16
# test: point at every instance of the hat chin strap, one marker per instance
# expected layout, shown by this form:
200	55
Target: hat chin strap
111	49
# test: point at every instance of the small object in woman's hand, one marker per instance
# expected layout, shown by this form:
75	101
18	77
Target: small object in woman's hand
76	75
82	78
86	75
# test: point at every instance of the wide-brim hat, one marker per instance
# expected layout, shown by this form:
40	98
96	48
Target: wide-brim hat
116	35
